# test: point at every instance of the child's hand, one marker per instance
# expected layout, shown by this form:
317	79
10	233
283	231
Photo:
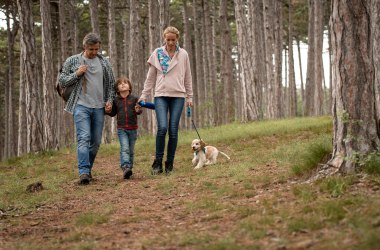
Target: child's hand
138	108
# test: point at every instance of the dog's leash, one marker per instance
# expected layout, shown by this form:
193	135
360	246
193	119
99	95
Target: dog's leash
189	115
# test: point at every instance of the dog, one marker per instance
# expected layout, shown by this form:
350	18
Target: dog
204	155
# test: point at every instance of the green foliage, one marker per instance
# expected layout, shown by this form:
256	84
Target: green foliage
336	186
372	163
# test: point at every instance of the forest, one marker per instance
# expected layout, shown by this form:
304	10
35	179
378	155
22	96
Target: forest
242	60
302	132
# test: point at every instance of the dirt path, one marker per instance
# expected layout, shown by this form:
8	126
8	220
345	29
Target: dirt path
146	213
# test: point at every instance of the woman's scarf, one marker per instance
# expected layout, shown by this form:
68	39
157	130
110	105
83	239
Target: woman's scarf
164	58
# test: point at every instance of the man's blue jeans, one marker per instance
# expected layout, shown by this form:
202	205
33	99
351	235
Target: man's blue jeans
89	124
168	113
127	139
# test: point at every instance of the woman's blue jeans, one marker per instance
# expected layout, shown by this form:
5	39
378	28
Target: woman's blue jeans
89	124
168	113
127	139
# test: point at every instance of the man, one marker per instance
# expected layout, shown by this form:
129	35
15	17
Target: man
93	93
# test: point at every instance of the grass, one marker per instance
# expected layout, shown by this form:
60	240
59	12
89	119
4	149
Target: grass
258	200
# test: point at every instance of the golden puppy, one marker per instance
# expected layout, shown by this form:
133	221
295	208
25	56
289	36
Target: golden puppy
204	155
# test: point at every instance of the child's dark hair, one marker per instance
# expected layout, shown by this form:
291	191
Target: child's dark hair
120	80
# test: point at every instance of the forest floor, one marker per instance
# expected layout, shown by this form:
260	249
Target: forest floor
237	204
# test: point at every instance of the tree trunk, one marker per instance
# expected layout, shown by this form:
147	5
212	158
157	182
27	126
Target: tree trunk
67	129
155	35
303	103
34	123
318	68
108	130
164	14
375	39
94	16
269	41
10	131
49	117
278	99
292	104
226	64
199	92
247	57
310	75
136	57
22	132
210	64
355	127
125	25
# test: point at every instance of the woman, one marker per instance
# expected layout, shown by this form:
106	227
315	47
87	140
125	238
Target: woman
170	74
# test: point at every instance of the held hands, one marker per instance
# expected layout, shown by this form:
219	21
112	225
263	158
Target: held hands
108	107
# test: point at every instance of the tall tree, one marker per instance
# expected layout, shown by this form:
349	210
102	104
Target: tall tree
136	53
49	118
22	120
187	45
108	126
269	39
318	67
154	42
310	74
375	39
355	125
226	63
164	13
199	70
34	124
278	33
94	16
10	132
247	58
66	132
292	105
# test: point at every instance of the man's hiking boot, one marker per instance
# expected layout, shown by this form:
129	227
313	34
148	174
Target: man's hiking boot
127	172
90	176
157	167
168	167
84	179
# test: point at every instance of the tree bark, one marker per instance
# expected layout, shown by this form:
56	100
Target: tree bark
94	16
10	131
155	38
318	68
355	125
226	64
278	99
164	14
34	123
269	41
199	70
49	117
292	104
375	39
310	75
22	132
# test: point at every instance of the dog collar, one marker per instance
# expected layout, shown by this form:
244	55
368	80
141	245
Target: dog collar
203	149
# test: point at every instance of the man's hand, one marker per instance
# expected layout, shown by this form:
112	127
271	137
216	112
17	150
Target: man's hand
108	107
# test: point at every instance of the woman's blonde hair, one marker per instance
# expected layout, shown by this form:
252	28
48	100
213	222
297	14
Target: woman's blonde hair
120	80
171	29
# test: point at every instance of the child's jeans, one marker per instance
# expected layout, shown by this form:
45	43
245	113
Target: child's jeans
127	139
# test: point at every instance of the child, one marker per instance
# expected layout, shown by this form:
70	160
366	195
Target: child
124	106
